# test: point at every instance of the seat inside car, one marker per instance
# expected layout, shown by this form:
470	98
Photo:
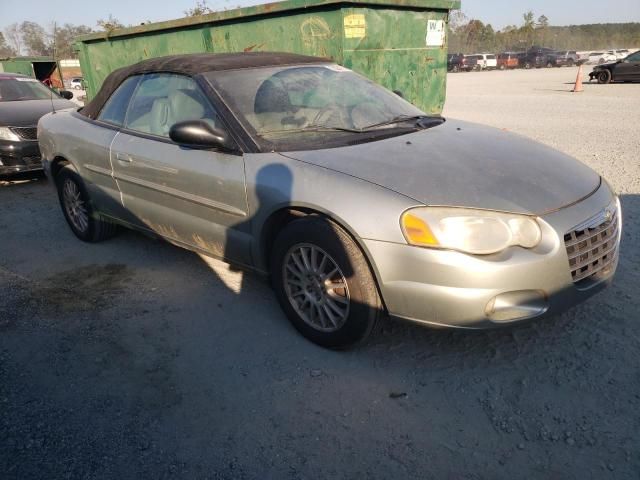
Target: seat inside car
179	106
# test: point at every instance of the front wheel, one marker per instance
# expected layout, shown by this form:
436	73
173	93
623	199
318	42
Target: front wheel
604	77
324	284
87	224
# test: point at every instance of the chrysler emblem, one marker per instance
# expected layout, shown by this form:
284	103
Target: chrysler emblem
608	215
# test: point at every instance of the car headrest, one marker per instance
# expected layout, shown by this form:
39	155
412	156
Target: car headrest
184	105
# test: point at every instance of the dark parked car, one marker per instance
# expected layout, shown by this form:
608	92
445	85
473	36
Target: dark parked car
458	62
537	57
23	100
568	58
625	70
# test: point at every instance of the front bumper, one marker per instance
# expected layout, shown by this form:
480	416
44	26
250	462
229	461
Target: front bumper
16	157
452	289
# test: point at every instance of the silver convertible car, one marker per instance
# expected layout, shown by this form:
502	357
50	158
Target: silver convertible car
356	203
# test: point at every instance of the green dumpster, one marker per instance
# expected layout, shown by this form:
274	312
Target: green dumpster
45	69
400	44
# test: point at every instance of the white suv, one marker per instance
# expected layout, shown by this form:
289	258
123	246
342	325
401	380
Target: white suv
486	61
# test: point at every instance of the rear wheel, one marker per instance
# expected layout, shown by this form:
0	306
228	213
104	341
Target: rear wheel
324	284
87	224
604	77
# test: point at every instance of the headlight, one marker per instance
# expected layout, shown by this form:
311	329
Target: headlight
479	232
6	134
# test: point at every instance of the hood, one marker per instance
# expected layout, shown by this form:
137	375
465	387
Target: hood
26	113
465	165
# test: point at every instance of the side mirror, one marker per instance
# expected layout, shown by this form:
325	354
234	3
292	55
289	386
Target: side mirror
399	93
200	134
66	94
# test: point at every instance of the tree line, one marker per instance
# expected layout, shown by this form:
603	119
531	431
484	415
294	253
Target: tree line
31	38
473	36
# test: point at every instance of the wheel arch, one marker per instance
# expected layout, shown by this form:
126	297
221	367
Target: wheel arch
58	163
280	217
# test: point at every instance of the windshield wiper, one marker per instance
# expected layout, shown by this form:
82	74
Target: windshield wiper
421	121
312	128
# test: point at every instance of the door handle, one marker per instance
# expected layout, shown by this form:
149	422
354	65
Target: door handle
123	157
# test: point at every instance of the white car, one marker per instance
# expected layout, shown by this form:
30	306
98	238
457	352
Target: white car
76	83
602	57
622	53
486	61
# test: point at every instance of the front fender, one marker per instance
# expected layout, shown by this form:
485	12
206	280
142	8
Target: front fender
365	210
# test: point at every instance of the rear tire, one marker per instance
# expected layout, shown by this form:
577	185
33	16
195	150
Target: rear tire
85	222
604	77
324	284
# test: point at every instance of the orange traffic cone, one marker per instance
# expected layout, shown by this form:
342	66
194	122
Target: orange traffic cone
578	86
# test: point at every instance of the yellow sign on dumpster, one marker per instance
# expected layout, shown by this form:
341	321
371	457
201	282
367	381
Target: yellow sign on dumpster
355	26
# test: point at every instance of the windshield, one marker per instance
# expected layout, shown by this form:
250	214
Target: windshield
299	107
23	88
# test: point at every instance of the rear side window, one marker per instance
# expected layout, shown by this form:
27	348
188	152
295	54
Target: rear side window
115	109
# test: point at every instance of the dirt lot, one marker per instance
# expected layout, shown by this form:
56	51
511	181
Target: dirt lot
135	359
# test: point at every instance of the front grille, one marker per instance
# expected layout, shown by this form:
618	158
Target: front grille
593	246
25	133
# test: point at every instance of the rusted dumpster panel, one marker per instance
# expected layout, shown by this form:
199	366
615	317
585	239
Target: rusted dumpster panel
400	44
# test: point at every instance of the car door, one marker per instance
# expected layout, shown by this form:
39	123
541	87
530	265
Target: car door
92	144
193	197
628	69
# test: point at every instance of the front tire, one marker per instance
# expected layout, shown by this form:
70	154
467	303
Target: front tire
85	222
604	77
324	284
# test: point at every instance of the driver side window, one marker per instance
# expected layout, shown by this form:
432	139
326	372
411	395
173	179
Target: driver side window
162	100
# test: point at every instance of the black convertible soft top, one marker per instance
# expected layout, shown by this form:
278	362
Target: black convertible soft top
193	64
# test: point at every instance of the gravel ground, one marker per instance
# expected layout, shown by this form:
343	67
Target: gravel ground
136	359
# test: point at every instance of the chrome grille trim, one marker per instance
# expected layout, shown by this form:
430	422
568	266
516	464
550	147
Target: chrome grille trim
25	133
592	246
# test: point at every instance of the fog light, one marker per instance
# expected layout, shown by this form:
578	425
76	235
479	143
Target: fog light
517	305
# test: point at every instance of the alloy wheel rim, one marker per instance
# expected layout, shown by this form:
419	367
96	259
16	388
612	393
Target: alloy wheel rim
74	205
316	287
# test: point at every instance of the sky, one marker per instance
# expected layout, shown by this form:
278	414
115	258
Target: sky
497	12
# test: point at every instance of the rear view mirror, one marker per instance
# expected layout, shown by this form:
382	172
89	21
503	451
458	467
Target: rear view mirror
200	134
66	94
